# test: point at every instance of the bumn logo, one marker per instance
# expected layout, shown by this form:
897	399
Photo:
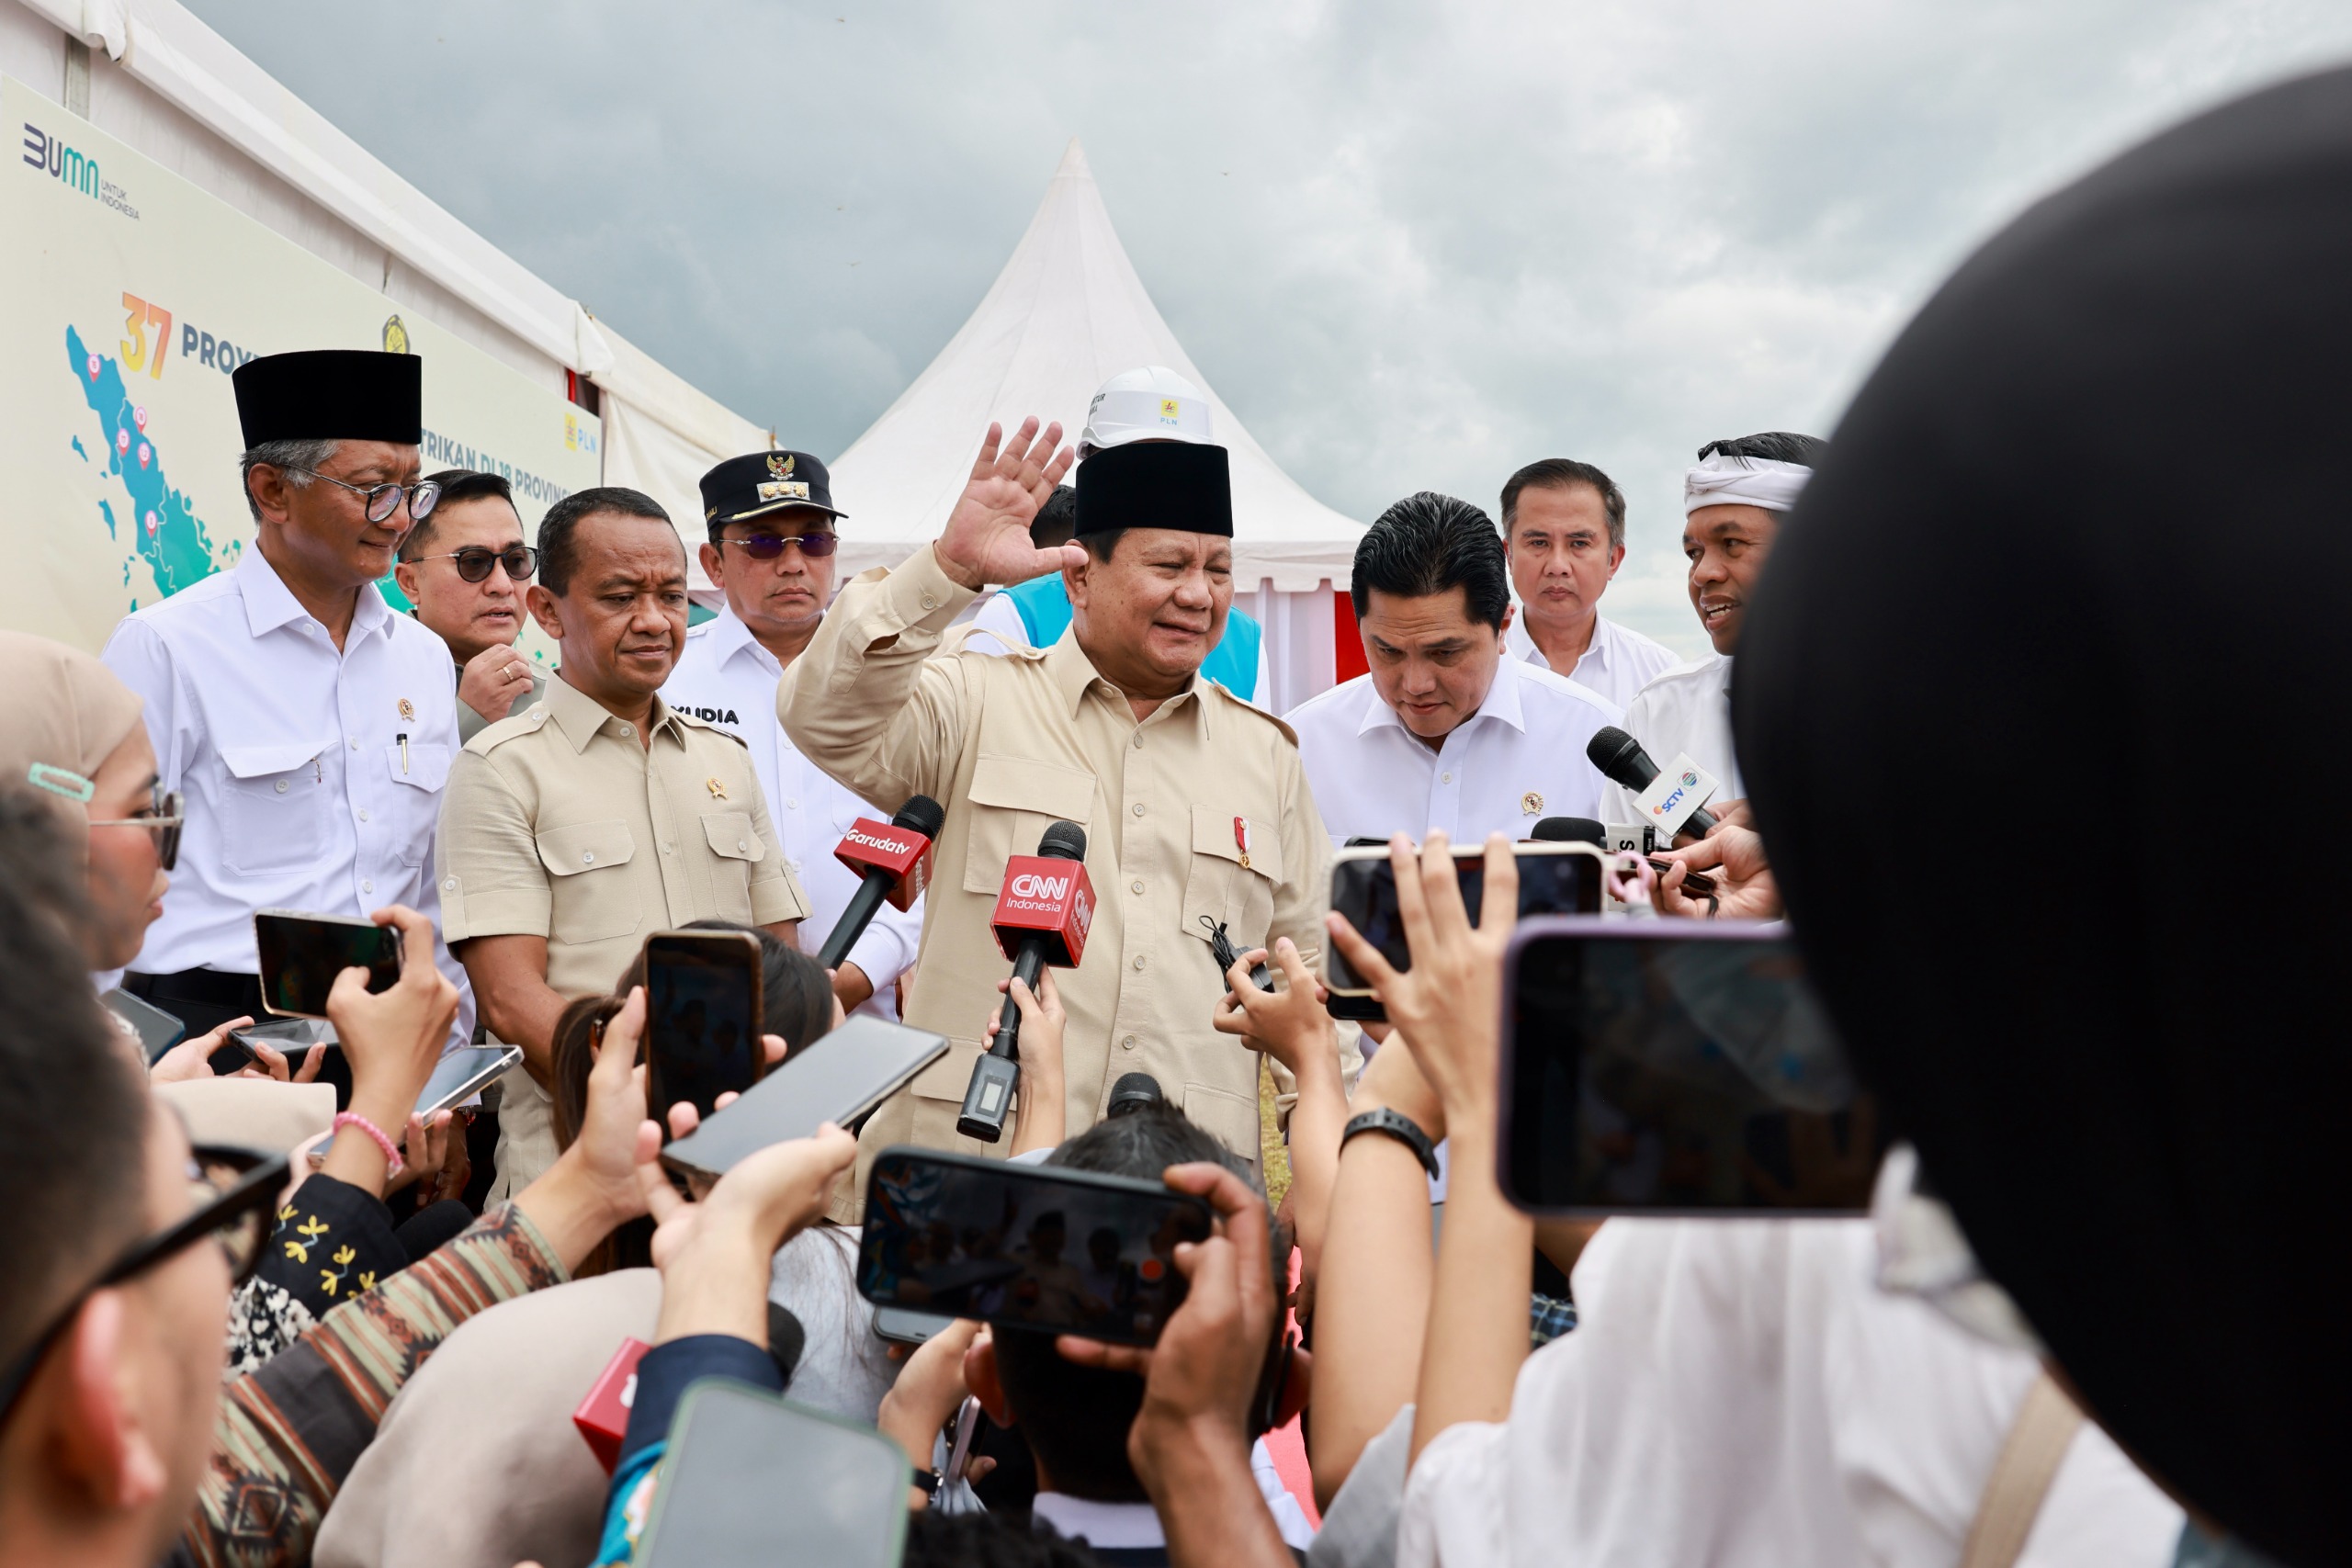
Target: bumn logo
43	151
1029	884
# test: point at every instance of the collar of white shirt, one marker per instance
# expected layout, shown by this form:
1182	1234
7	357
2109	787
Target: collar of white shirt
729	636
270	604
1502	702
1107	1526
1604	646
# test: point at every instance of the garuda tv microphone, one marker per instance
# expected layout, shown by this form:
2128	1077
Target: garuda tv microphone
1041	917
1620	758
892	861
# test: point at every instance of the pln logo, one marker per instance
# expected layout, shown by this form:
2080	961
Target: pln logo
578	437
1029	884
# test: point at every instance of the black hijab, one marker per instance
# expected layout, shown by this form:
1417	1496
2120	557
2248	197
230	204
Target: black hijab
2043	707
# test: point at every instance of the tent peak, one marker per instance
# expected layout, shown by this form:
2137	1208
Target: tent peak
1073	164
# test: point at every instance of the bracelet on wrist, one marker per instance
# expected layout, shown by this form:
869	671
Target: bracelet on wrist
1397	1126
393	1164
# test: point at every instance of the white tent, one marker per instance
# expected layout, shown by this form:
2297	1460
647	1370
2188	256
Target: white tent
1066	314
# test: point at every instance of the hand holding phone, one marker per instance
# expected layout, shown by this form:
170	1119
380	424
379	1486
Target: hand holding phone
1554	878
704	1017
393	1037
837	1080
744	1469
715	1253
300	954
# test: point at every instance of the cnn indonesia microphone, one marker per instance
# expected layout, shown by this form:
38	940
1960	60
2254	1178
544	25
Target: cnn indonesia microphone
1042	917
892	861
1672	803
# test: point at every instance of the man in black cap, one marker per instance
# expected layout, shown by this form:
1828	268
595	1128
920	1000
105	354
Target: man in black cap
1197	812
309	725
771	551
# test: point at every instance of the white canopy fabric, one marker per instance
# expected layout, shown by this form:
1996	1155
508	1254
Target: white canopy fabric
662	436
1066	314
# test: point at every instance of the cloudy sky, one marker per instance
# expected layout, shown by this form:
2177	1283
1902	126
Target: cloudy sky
1411	245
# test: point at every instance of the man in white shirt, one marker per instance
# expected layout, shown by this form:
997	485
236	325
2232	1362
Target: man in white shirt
1445	731
771	551
309	725
1732	502
1564	524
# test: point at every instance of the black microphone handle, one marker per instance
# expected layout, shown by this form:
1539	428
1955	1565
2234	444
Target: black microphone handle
1027	966
873	886
1633	770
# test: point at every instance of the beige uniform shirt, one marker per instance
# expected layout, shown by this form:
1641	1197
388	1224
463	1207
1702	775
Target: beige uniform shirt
559	823
1007	745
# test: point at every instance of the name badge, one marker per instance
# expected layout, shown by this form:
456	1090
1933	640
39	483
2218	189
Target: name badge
1679	789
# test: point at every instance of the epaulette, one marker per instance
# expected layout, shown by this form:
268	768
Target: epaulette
1252	708
527	722
954	640
683	716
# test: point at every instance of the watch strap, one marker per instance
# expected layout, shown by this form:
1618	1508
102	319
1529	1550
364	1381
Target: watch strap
1397	1126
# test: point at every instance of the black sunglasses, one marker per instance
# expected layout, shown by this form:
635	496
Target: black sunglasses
475	560
235	1188
768	547
164	819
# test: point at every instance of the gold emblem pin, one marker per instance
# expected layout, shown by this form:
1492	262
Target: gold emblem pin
718	790
408	709
1532	804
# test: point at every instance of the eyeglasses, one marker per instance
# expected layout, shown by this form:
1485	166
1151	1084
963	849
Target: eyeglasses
233	1191
474	562
768	547
165	818
384	500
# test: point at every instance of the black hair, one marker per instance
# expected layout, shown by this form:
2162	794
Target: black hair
1566	473
1099	545
457	484
1076	1418
937	1539
1057	521
558	530
1774	446
72	1109
1428	544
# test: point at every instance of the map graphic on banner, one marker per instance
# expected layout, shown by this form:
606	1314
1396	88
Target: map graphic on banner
127	297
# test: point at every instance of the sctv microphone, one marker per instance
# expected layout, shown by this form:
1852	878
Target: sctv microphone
893	860
1620	756
1041	917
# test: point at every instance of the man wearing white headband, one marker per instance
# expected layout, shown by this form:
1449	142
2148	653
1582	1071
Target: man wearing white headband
1150	405
1732	503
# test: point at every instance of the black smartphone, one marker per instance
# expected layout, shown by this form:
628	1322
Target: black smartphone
158	1030
290	1037
302	953
702	1013
1026	1247
1555	878
745	1470
838	1079
1676	1067
900	1327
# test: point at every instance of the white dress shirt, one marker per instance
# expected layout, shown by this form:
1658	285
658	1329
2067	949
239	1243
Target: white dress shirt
1518	759
301	792
1739	1393
1617	663
1685	712
727	677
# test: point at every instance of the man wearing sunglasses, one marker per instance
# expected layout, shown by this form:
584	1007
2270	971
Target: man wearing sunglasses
771	518
308	726
464	567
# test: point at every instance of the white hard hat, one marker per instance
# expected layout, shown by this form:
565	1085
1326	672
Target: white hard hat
1150	405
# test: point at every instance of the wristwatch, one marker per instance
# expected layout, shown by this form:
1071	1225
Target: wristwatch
1397	1126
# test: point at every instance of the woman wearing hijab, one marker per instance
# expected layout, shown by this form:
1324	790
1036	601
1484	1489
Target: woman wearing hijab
2130	1082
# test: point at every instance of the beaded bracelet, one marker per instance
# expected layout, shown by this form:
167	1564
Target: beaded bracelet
393	1163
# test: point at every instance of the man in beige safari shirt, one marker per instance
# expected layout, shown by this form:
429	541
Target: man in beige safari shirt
1196	808
573	831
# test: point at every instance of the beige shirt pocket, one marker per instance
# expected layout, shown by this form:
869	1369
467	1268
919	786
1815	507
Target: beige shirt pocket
738	848
1012	801
1231	1118
1219	889
590	896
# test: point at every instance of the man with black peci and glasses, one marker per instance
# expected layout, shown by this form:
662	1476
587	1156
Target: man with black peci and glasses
463	567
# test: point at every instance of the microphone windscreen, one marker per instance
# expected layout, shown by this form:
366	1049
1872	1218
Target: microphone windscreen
1620	756
1062	840
1571	830
1133	1089
922	814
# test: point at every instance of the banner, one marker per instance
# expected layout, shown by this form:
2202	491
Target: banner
127	297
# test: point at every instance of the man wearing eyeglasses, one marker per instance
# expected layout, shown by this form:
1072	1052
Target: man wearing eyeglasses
464	567
308	727
772	541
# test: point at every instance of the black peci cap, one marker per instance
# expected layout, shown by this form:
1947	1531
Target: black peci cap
1156	484
331	394
753	486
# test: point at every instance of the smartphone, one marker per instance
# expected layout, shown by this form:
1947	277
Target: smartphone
302	955
462	1074
1554	879
158	1030
703	1014
1026	1247
838	1079
290	1037
745	1470
1676	1067
900	1327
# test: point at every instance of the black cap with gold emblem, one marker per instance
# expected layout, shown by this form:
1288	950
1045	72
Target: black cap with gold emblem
764	483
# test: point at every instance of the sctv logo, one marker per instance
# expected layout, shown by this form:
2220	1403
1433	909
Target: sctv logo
1029	884
43	151
1663	806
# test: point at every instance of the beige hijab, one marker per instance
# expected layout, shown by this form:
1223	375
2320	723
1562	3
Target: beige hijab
62	715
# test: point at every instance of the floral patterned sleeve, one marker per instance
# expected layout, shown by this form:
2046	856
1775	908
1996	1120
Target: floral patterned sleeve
334	1241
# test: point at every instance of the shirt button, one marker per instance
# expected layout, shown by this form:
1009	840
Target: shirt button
1138	804
741	848
1138	959
629	729
1137	884
354	744
791	804
930	602
587	857
368	887
1447	778
362	814
1138	740
1129	1044
449	884
281	787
